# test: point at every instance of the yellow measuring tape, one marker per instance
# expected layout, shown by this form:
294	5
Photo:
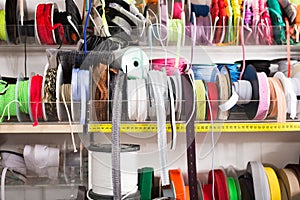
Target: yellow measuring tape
201	127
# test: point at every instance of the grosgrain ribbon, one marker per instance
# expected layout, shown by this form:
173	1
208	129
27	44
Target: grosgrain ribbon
260	180
264	96
177	181
246	184
172	111
291	183
291	99
213	98
36	98
169	65
177	10
243	89
273	183
44	24
201	100
84	76
223	94
145	182
220	184
207	192
2	25
278	101
233	195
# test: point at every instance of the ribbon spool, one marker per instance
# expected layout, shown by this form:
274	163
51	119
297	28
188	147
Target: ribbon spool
220	184
273	183
49	94
7	99
176	30
233	69
44	24
11	19
2	25
177	10
200	10
204	72
232	173
101	163
283	65
169	65
42	160
22	96
264	96
36	98
251	76
260	180
135	63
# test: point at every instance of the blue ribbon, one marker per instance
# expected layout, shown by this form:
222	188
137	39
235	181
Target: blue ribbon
233	69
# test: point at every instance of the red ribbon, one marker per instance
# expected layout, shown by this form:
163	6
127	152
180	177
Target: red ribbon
213	98
36	98
44	20
207	192
177	10
220	184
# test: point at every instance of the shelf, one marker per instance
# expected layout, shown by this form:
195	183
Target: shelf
45	182
41	128
229	127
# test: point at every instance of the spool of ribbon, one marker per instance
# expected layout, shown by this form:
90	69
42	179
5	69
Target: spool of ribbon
22	97
2	25
289	178
42	160
176	30
233	69
135	63
223	91
201	100
50	94
137	100
36	98
277	100
290	95
273	183
177	10
264	96
45	25
200	10
220	184
204	72
168	65
7	100
145	180
251	76
213	97
178	186
11	20
260	180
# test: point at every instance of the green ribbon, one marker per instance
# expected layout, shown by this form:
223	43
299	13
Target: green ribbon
233	194
145	180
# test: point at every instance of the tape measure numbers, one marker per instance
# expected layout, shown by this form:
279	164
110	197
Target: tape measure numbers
201	127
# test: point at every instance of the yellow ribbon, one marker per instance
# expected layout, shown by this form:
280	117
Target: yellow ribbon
2	25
